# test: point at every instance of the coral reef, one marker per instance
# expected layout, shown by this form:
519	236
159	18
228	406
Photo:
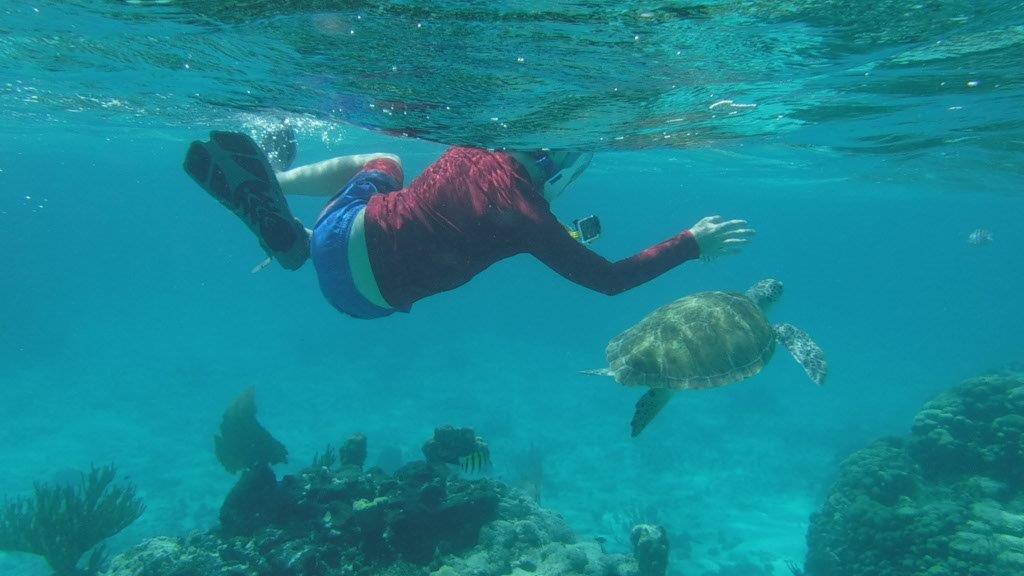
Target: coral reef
975	430
423	520
947	501
449	444
243	443
63	522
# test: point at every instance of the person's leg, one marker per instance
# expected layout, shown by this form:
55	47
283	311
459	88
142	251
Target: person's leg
235	171
328	177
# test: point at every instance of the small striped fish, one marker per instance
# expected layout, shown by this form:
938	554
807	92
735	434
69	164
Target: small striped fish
476	461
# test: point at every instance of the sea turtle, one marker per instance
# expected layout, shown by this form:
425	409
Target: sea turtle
702	341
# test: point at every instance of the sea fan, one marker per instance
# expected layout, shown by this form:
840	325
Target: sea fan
62	522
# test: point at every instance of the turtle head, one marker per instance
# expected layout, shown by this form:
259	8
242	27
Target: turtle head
765	293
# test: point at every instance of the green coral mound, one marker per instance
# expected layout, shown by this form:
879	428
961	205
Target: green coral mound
947	501
62	522
975	429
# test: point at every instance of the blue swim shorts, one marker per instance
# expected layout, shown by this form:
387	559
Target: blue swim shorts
329	244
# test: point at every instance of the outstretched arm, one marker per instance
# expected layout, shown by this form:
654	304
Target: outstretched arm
708	238
328	177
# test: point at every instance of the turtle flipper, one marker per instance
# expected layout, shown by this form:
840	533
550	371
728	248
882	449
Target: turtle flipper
647	407
599	372
804	351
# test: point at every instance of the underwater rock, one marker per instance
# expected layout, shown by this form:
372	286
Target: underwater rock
254	502
353	451
243	443
527	539
422	520
438	516
164	556
650	546
947	501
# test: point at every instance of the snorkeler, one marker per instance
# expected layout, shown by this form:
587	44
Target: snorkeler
378	247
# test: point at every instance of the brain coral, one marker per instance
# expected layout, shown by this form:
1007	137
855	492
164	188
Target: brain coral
947	501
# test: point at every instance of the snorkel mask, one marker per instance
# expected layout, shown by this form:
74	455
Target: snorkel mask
560	169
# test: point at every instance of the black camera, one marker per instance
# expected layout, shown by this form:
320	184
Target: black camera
587	229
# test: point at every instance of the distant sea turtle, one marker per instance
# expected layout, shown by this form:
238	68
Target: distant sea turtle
702	341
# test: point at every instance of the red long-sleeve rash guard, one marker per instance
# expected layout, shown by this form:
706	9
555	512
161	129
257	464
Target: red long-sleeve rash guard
473	208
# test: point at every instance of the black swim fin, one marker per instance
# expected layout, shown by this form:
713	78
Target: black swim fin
232	168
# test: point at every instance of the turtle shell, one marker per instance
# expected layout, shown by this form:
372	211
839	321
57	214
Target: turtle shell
700	341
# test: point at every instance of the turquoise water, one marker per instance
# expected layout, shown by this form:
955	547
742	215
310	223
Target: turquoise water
865	141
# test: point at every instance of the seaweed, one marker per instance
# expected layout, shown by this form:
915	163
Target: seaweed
326	459
62	522
529	467
243	443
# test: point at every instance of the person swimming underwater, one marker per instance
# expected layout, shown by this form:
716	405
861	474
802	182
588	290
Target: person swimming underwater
379	248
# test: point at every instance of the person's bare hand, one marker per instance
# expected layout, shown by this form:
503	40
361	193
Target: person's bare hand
717	237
